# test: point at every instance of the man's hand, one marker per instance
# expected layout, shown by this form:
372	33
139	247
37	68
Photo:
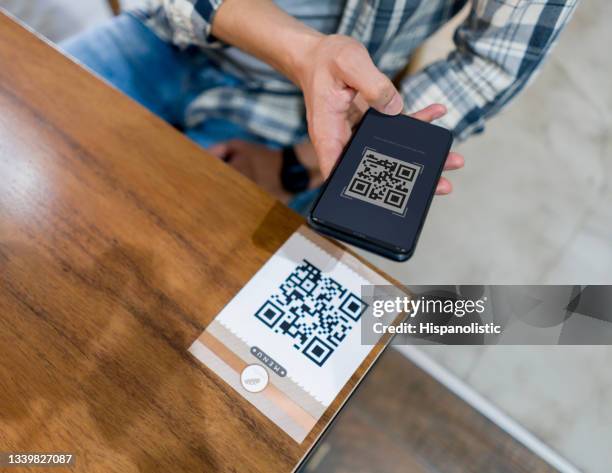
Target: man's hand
262	164
454	160
336	74
339	81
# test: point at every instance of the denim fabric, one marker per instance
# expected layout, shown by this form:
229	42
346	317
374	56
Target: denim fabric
158	75
163	78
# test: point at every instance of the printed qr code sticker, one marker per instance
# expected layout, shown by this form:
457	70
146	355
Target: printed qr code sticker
299	319
383	181
314	310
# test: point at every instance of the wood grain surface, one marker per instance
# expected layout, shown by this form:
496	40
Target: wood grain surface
120	240
401	420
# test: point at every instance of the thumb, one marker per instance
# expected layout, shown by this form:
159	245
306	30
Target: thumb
328	150
375	87
384	97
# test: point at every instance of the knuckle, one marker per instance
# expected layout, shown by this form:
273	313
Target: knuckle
348	52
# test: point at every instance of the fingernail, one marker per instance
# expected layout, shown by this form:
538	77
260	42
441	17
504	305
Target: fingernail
395	106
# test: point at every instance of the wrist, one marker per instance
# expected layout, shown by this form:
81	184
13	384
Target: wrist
268	33
297	53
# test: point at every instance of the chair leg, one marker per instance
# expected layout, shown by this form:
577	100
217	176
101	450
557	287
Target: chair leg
115	6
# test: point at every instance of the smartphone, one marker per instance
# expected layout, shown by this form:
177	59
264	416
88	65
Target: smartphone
378	194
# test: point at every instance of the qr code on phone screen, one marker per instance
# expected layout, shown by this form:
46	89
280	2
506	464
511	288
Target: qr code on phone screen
314	310
383	181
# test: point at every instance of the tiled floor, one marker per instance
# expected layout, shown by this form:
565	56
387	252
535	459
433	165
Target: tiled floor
560	394
531	206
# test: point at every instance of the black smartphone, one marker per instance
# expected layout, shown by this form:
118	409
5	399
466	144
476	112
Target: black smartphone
379	192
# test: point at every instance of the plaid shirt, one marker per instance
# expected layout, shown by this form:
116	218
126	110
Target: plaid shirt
499	47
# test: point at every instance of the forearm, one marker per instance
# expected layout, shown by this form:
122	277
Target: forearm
331	70
451	83
262	29
491	63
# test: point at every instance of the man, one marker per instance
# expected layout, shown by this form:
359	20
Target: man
271	74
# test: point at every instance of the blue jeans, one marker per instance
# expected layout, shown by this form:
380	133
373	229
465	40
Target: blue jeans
163	78
158	75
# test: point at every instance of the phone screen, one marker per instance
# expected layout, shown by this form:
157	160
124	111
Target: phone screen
382	186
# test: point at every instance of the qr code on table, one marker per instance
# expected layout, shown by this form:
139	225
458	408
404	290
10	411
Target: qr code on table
383	181
314	310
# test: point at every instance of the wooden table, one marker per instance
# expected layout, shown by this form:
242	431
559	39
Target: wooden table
120	240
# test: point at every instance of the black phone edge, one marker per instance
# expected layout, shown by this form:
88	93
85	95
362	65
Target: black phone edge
366	244
361	243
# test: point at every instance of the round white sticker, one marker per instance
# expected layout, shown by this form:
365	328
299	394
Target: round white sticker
254	378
